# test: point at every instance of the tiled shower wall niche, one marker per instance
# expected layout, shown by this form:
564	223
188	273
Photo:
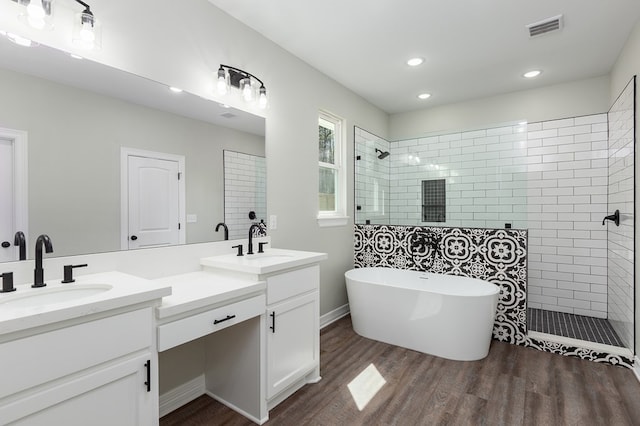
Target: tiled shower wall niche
494	255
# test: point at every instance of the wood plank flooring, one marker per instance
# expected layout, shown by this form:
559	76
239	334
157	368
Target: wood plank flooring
512	386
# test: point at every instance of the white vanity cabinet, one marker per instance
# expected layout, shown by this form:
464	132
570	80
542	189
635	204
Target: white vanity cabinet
293	332
101	371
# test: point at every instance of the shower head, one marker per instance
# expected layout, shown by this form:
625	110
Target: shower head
382	154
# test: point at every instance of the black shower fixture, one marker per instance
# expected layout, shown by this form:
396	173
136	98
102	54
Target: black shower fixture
382	154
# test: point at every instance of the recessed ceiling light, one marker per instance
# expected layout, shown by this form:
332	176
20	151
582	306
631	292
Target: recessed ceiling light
532	74
414	62
424	95
175	89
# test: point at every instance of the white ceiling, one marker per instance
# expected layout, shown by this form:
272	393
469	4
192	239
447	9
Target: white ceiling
472	48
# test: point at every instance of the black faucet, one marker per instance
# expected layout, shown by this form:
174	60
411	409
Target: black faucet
38	273
226	230
254	226
20	241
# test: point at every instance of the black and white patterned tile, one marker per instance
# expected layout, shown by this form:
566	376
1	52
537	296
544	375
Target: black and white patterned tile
495	255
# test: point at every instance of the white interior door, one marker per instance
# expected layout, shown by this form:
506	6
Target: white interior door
153	202
13	190
7	225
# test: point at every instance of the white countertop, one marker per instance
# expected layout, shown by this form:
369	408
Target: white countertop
272	260
200	289
126	290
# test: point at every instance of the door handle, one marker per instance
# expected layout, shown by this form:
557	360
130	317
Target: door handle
6	244
133	238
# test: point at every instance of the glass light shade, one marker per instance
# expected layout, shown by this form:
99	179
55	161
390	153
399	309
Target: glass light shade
247	90
222	84
87	32
262	99
39	14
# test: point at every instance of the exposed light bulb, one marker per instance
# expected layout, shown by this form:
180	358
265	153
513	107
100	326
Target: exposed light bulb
247	90
39	13
262	100
86	31
35	10
222	81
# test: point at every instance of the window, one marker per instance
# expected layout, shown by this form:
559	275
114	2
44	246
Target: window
332	182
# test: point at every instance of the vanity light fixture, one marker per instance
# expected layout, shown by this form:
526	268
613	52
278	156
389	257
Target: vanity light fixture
424	95
244	81
532	74
86	29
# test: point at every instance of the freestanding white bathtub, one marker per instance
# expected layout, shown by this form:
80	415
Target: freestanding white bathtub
444	315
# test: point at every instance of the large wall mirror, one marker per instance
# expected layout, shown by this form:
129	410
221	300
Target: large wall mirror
76	116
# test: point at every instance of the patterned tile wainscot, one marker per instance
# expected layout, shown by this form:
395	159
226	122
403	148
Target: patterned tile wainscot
495	255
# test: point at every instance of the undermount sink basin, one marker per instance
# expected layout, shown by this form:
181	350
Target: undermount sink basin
54	295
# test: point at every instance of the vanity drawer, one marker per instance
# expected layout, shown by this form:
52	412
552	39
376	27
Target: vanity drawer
289	284
184	330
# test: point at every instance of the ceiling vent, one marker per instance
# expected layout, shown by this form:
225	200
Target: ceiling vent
545	26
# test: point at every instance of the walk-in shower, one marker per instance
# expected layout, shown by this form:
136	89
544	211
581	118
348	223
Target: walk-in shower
558	179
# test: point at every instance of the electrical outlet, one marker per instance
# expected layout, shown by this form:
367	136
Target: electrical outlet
273	221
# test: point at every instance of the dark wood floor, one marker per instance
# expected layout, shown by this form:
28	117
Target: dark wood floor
512	386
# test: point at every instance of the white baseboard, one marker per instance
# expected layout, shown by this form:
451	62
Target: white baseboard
636	367
177	397
334	315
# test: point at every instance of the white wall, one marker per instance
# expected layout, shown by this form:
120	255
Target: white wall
628	65
573	99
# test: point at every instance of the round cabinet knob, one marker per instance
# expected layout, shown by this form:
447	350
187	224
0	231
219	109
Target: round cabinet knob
6	244
133	238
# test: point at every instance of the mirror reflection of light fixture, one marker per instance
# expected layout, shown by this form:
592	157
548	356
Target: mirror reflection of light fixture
86	29
242	80
38	15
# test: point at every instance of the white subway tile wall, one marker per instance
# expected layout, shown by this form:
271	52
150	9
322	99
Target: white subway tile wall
620	295
244	191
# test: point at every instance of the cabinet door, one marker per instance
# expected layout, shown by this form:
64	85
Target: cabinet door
115	395
292	341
